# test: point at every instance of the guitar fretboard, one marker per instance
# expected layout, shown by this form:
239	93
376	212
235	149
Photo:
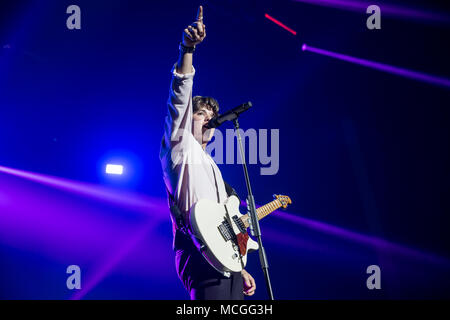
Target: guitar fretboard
263	211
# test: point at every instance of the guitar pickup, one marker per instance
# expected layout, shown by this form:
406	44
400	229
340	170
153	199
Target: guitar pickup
239	224
226	231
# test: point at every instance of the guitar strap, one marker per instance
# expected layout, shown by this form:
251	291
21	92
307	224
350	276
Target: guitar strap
176	214
230	190
217	187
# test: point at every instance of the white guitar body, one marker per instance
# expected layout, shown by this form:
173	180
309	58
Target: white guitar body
218	228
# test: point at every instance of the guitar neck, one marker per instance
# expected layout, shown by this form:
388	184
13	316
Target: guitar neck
263	211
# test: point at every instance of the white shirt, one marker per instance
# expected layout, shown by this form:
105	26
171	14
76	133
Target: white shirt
189	172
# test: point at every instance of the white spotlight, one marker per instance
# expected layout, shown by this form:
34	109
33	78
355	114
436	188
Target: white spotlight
114	169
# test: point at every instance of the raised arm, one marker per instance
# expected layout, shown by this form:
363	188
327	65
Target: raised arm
192	35
179	118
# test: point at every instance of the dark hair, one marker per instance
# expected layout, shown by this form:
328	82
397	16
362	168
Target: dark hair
208	102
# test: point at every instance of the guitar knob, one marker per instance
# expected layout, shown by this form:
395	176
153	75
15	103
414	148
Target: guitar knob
234	256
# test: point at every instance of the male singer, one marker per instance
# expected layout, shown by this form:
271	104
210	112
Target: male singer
190	174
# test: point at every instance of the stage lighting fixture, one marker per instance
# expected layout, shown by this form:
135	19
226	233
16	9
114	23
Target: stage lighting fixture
114	169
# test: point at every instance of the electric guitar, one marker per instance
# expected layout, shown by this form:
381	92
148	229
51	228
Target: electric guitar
220	231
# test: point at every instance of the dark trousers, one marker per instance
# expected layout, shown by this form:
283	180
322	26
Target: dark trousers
199	278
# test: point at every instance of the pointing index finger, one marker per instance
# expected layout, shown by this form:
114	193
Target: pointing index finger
200	14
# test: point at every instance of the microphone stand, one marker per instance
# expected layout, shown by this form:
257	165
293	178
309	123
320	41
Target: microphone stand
254	223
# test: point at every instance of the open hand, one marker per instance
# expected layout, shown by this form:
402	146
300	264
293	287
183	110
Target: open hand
196	32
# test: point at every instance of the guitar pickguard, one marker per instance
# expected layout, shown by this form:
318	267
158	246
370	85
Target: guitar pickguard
242	239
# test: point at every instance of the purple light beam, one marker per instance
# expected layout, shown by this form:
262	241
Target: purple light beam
135	202
382	67
372	241
68	229
390	10
108	264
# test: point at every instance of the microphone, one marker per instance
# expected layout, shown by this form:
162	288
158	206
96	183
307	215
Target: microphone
230	115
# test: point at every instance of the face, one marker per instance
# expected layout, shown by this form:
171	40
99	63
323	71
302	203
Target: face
200	119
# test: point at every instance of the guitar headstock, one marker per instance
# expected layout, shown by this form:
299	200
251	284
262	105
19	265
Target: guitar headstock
285	200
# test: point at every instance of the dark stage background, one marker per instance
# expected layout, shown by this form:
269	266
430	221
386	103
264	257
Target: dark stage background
364	154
